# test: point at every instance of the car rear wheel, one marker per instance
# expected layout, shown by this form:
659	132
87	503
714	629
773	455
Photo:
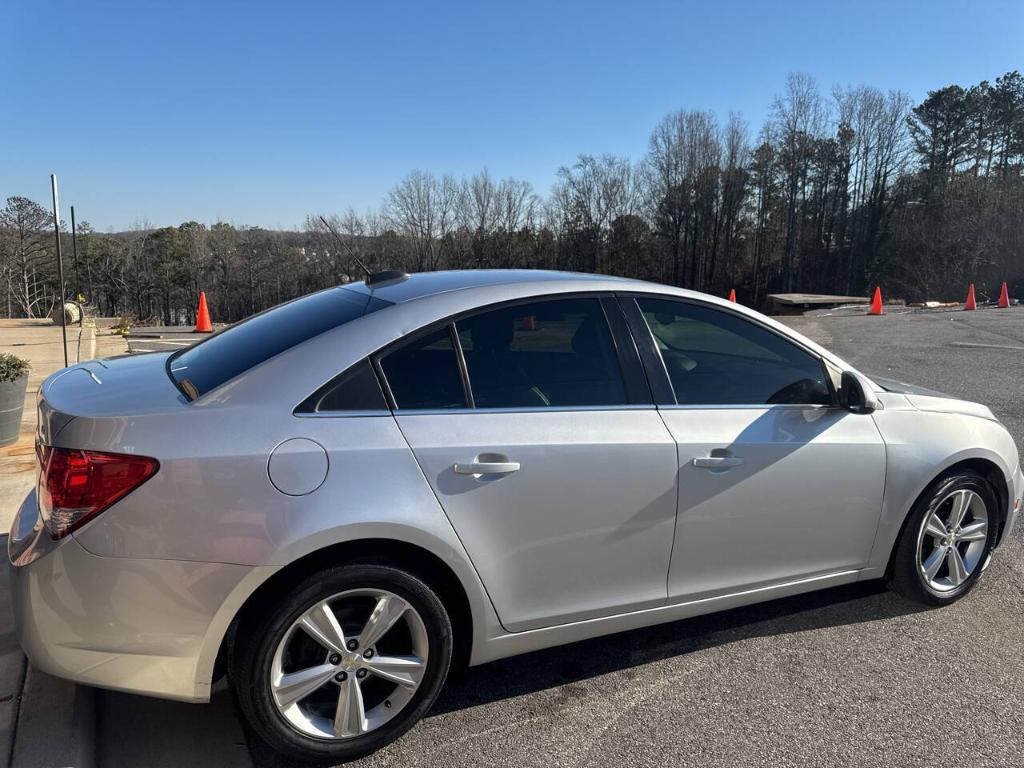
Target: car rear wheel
947	540
343	664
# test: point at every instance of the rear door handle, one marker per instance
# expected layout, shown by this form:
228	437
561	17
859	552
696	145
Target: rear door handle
717	462
487	468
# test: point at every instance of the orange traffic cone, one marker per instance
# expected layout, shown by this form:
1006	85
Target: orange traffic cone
876	303
1004	297
970	305
203	324
732	295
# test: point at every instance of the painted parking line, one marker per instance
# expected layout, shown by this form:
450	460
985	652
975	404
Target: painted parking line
985	346
158	345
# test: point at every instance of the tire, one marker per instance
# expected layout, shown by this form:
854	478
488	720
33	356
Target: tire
280	639
925	545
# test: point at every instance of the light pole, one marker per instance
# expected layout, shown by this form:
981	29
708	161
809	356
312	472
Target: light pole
74	251
60	267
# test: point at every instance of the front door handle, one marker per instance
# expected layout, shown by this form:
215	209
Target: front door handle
487	468
717	462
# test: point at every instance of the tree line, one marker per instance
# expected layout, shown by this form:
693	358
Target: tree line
835	193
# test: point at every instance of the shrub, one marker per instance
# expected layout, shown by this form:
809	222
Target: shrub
12	367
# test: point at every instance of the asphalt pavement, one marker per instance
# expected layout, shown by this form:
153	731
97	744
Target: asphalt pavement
853	676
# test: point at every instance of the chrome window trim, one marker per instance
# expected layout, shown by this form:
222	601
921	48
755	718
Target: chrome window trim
747	407
531	409
563	409
340	414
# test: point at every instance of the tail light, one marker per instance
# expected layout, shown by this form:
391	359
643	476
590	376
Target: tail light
75	486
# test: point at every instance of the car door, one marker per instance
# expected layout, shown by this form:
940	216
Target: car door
776	483
534	425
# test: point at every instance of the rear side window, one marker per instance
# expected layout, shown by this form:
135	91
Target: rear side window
424	373
717	358
215	361
357	389
555	353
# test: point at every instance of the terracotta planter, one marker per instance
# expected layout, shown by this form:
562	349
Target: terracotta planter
12	402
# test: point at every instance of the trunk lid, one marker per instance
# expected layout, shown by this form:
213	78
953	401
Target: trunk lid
130	385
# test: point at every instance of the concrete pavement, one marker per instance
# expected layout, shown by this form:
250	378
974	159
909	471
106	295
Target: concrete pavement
12	668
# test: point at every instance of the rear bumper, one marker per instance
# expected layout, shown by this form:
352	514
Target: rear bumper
145	626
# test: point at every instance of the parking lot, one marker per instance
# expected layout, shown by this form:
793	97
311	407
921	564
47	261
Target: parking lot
853	676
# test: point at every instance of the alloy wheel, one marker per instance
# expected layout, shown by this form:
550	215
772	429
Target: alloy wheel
349	664
952	540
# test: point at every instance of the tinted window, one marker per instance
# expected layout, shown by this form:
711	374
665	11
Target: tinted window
357	389
546	353
717	358
218	359
424	373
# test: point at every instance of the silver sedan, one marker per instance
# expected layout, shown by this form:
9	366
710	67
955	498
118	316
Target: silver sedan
335	501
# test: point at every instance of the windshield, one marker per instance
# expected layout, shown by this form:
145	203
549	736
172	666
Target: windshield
220	358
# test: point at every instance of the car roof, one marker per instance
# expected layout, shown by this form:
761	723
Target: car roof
452	291
411	304
422	284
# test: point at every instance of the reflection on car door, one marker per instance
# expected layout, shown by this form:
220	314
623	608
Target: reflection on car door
560	482
775	484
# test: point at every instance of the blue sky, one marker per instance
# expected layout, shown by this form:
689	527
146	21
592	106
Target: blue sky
261	112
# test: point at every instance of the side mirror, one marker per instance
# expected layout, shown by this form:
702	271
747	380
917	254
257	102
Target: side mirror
855	396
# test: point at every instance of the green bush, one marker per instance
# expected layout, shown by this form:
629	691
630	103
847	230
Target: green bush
12	367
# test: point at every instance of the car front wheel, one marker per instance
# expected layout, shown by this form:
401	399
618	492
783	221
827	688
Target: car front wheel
947	540
344	663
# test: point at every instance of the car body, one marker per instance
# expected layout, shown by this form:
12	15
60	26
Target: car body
621	514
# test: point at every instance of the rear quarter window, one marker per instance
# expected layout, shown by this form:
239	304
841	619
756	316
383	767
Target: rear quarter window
225	355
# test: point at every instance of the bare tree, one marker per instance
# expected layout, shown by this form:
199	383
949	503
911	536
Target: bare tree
799	115
478	204
591	194
24	249
412	208
682	174
733	194
515	209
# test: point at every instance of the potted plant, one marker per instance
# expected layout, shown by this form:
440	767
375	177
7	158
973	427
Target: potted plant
13	382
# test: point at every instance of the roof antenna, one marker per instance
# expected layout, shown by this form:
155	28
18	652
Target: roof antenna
369	274
373	279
